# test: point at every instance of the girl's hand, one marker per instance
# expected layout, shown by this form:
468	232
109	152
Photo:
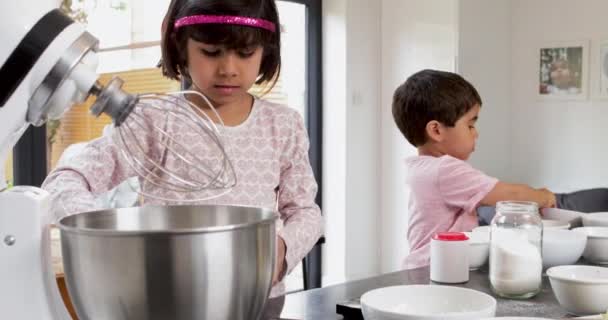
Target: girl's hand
279	267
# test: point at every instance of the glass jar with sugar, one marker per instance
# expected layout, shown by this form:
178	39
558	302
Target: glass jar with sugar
516	250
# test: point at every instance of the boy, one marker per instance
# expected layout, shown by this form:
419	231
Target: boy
436	112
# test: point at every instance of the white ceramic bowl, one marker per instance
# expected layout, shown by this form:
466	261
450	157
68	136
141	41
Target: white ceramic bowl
581	290
561	247
418	302
479	249
517	318
482	229
598	219
573	217
555	224
596	250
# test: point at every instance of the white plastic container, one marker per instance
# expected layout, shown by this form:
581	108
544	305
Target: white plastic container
450	257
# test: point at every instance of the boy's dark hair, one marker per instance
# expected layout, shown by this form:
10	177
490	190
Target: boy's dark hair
431	95
173	43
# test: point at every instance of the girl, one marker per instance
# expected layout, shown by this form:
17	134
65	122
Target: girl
222	48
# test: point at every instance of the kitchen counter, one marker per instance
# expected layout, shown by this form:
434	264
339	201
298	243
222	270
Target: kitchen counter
320	304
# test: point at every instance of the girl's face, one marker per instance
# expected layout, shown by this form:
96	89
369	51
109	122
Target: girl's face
223	75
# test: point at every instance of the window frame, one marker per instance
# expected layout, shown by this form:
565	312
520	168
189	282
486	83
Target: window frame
312	263
30	158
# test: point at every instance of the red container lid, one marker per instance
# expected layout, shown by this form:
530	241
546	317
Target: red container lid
450	236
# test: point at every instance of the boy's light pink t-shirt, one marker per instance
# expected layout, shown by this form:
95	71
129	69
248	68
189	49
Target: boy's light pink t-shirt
445	193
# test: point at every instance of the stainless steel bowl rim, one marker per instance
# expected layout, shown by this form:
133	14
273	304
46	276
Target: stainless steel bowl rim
181	231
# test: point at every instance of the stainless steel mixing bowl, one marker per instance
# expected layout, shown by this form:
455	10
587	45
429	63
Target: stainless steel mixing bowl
172	262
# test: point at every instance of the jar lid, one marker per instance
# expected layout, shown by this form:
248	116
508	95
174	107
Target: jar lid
450	236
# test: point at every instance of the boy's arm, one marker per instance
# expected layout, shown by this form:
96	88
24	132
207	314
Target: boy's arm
519	192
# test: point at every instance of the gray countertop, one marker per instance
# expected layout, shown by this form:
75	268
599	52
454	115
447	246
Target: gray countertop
320	304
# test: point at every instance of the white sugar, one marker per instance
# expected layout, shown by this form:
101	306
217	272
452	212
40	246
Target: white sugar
515	264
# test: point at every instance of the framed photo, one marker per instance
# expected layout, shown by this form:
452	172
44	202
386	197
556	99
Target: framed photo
603	69
563	70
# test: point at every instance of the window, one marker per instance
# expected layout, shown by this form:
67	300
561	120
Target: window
130	48
8	169
307	37
132	40
293	83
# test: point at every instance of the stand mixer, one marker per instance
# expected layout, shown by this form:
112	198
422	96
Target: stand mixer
47	64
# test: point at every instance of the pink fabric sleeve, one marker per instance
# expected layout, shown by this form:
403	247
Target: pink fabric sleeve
297	190
96	169
461	185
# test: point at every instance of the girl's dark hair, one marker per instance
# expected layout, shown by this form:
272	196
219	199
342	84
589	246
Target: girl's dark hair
431	95
173	42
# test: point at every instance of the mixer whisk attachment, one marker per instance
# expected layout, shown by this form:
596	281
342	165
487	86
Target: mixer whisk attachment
169	142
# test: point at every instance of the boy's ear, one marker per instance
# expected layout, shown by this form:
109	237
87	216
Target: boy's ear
434	130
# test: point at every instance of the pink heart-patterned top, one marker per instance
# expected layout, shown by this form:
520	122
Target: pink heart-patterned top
269	152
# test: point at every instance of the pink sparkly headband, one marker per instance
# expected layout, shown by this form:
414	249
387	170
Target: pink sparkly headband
208	19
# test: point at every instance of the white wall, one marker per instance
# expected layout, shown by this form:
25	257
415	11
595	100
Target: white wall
496	41
334	140
557	144
484	59
560	144
416	35
351	86
371	47
362	136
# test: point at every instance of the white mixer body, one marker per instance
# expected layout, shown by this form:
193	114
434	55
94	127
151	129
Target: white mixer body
19	17
29	290
34	38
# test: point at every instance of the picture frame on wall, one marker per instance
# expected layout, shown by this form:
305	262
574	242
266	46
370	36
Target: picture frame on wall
563	70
